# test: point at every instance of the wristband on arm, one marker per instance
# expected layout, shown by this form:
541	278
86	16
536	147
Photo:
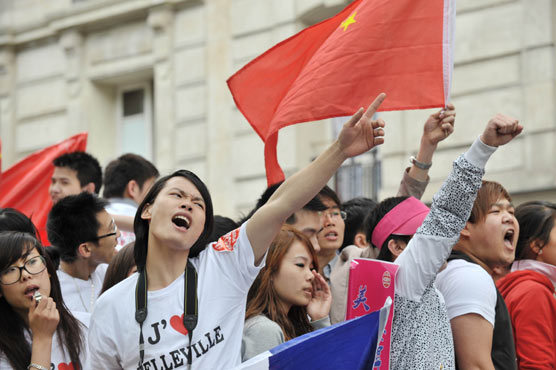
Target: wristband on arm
421	165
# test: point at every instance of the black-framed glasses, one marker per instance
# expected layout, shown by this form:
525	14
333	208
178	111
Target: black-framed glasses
111	233
33	266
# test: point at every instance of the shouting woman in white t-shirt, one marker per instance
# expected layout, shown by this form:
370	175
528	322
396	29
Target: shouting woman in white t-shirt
186	304
37	332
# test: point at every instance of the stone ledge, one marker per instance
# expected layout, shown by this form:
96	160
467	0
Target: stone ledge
87	15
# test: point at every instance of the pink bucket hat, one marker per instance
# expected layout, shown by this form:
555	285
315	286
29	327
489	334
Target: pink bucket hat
403	219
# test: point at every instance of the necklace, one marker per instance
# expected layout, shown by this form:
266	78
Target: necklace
92	302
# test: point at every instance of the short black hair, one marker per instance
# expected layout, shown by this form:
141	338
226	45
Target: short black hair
73	221
265	196
222	226
385	254
356	209
373	218
314	205
87	167
327	192
141	226
119	172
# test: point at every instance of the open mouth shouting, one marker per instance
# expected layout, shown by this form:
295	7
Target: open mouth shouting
182	222
509	238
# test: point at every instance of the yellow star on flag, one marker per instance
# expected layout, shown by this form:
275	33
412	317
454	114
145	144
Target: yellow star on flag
349	20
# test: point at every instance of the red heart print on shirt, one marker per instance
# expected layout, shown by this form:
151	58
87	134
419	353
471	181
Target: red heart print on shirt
177	323
63	366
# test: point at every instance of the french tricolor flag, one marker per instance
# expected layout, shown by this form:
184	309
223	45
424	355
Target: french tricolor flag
352	344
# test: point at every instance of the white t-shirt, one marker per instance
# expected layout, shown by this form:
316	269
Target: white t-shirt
59	360
78	293
122	207
467	288
225	270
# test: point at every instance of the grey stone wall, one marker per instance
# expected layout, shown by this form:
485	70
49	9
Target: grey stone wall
62	63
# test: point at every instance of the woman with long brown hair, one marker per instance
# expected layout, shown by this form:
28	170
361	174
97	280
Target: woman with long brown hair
289	297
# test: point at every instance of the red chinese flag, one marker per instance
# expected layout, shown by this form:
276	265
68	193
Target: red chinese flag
24	186
402	48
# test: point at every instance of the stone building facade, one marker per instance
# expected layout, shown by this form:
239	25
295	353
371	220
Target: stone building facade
149	76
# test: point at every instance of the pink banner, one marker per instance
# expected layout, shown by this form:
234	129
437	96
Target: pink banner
371	282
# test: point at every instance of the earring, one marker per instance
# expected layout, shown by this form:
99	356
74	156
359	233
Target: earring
540	251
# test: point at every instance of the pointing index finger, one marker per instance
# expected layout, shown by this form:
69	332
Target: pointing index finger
375	105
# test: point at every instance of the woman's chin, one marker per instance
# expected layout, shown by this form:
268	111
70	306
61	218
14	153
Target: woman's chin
304	301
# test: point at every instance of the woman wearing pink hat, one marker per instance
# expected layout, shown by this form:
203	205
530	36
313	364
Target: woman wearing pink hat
391	225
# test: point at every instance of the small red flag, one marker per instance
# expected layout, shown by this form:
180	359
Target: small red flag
402	48
24	186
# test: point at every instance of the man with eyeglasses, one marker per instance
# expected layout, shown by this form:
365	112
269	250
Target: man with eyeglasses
86	236
331	236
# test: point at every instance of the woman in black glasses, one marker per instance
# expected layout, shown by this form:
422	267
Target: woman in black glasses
36	329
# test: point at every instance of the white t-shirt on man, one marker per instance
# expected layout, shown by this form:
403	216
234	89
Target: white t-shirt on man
467	288
225	270
80	295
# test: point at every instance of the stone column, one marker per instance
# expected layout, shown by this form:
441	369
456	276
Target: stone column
161	21
7	105
219	121
71	42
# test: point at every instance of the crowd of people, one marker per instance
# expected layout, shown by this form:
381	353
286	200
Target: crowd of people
147	277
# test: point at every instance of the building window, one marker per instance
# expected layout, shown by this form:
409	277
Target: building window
135	129
359	176
133	101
